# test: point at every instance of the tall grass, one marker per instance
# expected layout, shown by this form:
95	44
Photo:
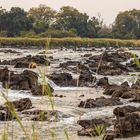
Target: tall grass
69	42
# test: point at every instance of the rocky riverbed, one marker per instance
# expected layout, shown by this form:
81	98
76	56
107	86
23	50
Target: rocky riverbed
61	91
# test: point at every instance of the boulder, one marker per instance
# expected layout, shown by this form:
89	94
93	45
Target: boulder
42	115
21	104
103	82
89	127
42	90
123	111
5	114
128	125
100	102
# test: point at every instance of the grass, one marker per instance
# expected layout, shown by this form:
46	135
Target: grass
68	42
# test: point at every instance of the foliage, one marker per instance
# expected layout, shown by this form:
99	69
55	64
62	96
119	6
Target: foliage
42	17
43	21
14	21
127	24
57	34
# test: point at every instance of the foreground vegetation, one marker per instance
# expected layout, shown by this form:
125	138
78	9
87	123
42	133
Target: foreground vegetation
69	42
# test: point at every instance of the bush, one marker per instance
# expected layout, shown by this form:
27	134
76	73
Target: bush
58	34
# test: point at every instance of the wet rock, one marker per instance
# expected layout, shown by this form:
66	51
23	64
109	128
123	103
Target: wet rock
89	127
4	74
42	90
83	67
9	51
25	65
21	104
25	62
61	79
22	65
111	63
128	125
82	95
123	111
100	102
117	56
116	91
42	115
23	81
87	55
60	96
92	123
109	135
103	82
86	79
5	114
69	63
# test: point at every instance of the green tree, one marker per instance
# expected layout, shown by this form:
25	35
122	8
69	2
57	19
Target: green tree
127	24
70	18
42	17
94	25
15	21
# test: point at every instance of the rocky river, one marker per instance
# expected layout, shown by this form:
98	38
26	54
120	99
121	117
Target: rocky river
86	88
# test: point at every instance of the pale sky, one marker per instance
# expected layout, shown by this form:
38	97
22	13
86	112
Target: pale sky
108	8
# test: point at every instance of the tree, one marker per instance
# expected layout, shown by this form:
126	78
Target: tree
94	25
15	21
127	24
42	17
70	18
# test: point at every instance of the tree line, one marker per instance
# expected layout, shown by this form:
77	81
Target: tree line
43	21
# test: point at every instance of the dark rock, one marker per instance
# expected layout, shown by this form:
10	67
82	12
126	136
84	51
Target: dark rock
128	125
5	114
100	102
42	90
123	111
23	81
86	79
103	82
42	115
4	74
61	79
109	135
25	62
21	104
89	127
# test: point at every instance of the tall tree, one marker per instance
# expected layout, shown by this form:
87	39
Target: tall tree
70	18
127	24
42	16
15	21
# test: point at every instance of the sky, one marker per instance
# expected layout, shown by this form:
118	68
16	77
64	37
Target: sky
107	8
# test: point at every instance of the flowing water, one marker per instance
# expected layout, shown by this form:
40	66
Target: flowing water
67	104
